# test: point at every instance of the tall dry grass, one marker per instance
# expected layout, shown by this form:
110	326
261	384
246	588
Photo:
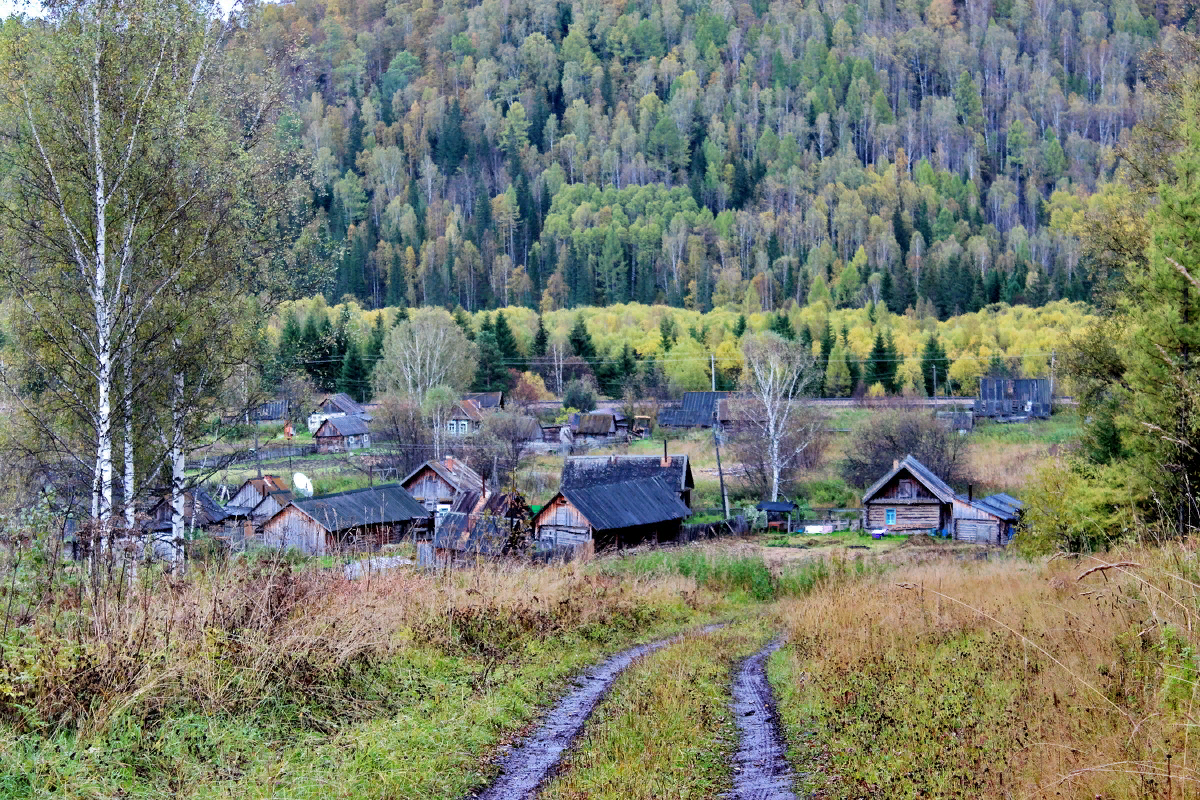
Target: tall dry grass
1000	679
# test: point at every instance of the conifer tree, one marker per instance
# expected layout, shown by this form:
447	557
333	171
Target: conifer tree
837	374
541	339
739	327
509	351
581	341
354	379
935	366
490	375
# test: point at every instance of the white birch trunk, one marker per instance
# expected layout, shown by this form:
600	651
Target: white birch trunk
178	461
129	474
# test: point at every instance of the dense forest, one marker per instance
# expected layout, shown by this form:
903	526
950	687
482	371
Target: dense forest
521	152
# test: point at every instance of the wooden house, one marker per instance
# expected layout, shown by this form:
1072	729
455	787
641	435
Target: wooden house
333	406
252	492
341	435
201	513
467	417
987	520
361	519
612	514
909	498
596	426
695	410
486	528
270	505
272	411
588	471
436	484
1014	398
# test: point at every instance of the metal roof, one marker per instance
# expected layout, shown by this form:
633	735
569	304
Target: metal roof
584	471
695	410
453	471
776	505
342	402
342	426
936	486
1002	505
629	503
271	410
360	507
478	534
486	399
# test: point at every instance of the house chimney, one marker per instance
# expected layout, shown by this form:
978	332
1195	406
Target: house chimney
666	459
970	493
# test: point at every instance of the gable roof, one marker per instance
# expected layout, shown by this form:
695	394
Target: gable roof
625	504
271	410
207	511
467	409
341	426
1001	505
342	402
478	534
936	486
354	509
264	485
486	399
452	471
281	496
596	424
600	470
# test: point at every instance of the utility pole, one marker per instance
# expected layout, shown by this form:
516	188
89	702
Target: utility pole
712	367
935	389
720	473
1053	358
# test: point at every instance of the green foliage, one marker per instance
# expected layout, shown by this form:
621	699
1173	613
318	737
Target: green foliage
577	394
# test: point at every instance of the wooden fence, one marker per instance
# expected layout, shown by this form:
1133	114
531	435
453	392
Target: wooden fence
249	456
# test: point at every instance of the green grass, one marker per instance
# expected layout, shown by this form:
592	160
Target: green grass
666	729
738	576
1063	427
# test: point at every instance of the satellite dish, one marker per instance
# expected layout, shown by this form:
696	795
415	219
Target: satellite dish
302	485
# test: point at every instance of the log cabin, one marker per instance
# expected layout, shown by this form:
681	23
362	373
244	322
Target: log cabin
436	484
612	514
910	499
589	471
341	435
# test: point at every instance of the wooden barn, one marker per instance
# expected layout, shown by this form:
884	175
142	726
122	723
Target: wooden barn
270	505
987	520
910	498
588	471
363	519
341	435
596	426
486	528
436	484
612	514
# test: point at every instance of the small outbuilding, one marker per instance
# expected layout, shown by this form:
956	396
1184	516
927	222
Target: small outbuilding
986	520
589	471
612	514
779	513
252	491
334	406
363	519
341	435
596	426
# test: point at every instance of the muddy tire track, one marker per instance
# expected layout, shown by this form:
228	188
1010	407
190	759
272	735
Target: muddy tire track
761	768
528	764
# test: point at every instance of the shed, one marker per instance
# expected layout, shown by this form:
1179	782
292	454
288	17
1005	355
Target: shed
596	425
336	405
200	513
436	484
363	518
274	502
463	536
252	491
621	513
588	471
272	411
909	498
778	512
341	435
986	520
696	410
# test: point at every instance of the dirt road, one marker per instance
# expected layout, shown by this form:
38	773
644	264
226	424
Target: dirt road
761	768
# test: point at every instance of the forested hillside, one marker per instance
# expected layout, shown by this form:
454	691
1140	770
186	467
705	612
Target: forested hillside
522	152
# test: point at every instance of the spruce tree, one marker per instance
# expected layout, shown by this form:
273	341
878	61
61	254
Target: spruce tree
667	333
490	375
510	352
876	366
935	365
581	341
541	340
837	374
739	327
291	344
354	377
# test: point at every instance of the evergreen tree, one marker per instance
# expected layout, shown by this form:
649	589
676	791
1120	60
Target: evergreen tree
782	325
837	374
935	366
877	365
541	340
462	320
291	344
402	316
667	332
739	327
490	374
581	341
375	343
905	294
354	376
509	351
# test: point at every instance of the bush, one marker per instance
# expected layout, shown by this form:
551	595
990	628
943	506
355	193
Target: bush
579	395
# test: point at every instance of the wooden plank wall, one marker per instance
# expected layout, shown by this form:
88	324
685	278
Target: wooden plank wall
924	515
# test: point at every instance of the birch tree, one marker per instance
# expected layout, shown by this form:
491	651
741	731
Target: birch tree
427	351
776	377
132	165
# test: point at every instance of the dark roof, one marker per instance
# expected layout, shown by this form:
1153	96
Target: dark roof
486	399
342	426
1004	506
272	409
596	424
281	496
344	403
354	509
599	470
476	534
776	505
467	409
453	471
936	486
207	510
695	410
644	501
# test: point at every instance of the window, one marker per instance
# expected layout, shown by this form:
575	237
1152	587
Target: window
908	488
891	516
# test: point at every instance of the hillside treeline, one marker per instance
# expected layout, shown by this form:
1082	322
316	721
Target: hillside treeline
701	153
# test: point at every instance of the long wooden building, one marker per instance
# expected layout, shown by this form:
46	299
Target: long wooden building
361	519
612	514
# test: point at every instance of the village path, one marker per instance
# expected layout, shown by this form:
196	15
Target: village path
530	763
761	769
